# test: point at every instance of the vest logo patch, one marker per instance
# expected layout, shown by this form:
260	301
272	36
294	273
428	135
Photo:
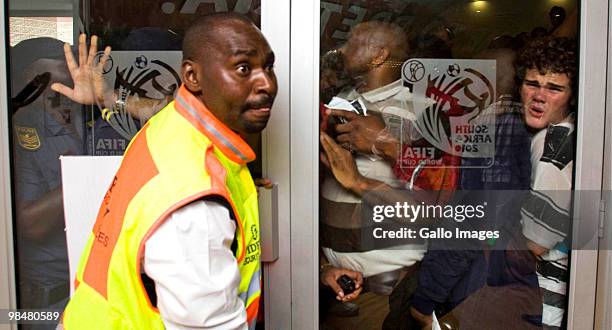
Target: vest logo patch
254	232
28	137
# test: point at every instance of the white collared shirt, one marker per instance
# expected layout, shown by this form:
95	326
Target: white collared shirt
196	275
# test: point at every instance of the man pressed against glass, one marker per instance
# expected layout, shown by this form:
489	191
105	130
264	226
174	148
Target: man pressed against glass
183	206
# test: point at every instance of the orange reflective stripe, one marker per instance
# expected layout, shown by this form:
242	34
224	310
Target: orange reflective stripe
127	182
252	310
232	145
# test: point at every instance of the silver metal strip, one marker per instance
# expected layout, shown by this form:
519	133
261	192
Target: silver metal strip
603	302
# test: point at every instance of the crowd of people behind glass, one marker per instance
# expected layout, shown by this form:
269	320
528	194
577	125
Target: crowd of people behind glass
378	148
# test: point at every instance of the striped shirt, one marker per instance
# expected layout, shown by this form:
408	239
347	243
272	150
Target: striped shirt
545	214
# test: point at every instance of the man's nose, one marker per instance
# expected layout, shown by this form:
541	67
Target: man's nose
266	83
540	95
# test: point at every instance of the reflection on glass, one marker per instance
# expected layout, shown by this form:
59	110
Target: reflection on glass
45	125
446	106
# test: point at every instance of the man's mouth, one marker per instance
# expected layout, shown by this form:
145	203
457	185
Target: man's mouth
259	109
262	109
259	112
536	111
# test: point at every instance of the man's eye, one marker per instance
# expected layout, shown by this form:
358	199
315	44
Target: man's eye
270	67
243	69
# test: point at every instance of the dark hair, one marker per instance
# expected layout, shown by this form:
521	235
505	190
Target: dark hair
549	55
202	33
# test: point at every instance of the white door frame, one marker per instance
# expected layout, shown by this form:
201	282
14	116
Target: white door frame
589	158
305	163
603	304
277	282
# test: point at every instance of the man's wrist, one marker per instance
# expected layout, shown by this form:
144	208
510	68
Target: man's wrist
363	184
386	149
107	99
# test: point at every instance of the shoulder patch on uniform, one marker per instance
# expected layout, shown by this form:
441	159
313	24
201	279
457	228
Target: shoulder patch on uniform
558	146
28	137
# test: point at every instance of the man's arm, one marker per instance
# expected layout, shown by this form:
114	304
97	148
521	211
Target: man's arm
90	87
39	207
440	272
366	134
196	275
35	219
342	164
545	213
329	275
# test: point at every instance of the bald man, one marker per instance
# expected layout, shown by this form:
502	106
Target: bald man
182	208
373	56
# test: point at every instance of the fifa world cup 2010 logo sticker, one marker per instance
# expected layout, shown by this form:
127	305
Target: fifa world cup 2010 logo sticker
453	101
414	71
151	75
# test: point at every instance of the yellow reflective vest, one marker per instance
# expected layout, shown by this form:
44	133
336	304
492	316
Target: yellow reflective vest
184	153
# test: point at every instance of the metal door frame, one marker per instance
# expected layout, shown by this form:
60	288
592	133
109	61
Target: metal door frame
277	283
603	303
305	163
589	158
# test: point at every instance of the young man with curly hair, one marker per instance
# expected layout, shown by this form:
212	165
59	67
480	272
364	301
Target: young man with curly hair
547	70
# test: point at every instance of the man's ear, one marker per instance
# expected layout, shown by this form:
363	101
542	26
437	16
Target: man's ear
381	56
189	75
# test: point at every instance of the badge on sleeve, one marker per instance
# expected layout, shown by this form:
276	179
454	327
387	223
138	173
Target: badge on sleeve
28	137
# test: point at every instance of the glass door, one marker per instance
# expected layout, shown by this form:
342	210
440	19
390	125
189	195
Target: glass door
143	72
416	70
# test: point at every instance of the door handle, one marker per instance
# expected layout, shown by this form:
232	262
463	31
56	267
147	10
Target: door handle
268	223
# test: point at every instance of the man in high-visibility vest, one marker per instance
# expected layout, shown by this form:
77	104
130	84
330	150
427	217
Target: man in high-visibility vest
182	208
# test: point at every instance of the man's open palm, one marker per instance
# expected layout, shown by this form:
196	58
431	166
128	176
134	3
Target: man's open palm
89	86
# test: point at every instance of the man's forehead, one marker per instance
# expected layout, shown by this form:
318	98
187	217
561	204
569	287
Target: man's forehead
535	74
246	41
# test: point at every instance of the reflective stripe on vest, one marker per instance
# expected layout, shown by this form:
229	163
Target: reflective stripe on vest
181	155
